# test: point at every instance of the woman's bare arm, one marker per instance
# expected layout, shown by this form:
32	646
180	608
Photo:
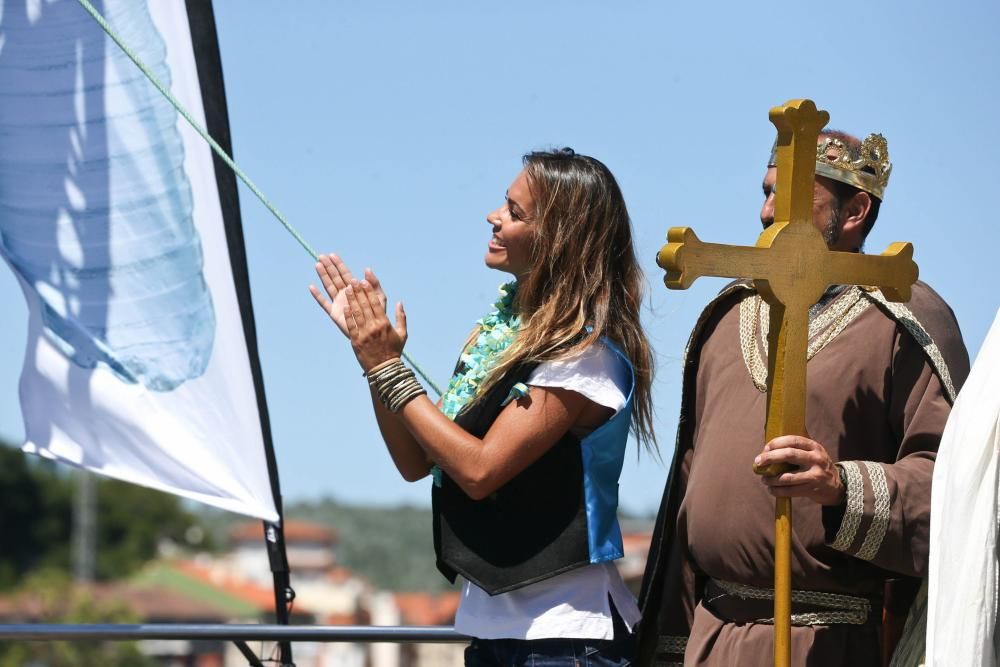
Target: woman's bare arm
520	435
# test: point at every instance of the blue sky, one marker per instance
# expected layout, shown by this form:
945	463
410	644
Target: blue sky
387	131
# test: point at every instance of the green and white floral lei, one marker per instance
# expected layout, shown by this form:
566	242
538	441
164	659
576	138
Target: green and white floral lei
497	331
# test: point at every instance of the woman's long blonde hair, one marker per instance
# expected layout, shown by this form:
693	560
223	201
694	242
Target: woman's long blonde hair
585	281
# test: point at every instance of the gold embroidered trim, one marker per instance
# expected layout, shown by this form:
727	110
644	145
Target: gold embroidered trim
755	315
846	609
823	618
910	322
838	324
750	322
673	644
855	506
818	598
880	520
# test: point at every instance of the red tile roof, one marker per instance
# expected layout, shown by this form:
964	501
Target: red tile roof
359	617
340	574
295	531
635	543
160	604
260	597
427	608
148	602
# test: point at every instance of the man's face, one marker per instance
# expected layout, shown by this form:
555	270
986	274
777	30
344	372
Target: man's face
826	212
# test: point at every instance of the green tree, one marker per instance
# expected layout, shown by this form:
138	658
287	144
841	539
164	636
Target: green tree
37	514
132	521
61	602
35	520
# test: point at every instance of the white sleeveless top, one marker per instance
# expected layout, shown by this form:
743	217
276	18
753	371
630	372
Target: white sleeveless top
574	604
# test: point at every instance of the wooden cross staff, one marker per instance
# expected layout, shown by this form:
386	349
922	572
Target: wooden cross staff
791	268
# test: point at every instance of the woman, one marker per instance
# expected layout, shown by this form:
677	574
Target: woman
527	444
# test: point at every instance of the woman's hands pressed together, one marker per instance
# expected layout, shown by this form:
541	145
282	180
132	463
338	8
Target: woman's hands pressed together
373	337
335	277
358	310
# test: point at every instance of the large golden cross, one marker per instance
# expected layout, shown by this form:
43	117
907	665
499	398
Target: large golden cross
791	267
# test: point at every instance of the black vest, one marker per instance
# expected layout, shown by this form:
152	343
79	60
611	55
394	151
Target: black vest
532	528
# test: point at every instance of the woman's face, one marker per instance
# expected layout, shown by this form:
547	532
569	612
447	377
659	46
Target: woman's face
510	247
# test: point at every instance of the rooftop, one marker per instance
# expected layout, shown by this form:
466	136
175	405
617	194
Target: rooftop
295	531
427	608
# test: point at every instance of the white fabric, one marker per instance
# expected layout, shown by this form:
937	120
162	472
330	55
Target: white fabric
965	508
598	373
575	603
137	365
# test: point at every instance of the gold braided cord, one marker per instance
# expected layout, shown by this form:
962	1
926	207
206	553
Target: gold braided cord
831	322
749	324
844	609
672	644
855	507
817	598
823	328
880	519
838	321
910	322
823	618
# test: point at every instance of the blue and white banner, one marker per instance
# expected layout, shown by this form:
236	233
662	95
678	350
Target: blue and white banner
124	233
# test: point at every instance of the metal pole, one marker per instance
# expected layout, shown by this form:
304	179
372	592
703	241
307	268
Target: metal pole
84	527
232	632
251	657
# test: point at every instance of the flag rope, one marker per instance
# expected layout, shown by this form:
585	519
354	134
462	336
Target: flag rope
219	151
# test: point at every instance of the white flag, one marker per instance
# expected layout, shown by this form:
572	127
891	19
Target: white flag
125	236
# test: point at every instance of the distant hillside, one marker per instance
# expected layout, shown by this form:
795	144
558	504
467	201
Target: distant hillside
391	547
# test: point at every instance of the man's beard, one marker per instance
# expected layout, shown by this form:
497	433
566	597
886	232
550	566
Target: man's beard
831	233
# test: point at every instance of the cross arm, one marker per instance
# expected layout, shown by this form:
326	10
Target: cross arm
894	271
686	258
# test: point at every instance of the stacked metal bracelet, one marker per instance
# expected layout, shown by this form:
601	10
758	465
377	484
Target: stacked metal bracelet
394	384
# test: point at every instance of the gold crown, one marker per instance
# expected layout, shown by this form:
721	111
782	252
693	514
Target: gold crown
866	167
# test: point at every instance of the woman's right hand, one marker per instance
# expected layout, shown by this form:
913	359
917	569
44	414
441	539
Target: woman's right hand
335	276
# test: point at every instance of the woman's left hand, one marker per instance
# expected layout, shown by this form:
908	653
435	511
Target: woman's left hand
374	338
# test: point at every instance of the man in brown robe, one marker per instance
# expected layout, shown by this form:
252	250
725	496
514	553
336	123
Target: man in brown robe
881	380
